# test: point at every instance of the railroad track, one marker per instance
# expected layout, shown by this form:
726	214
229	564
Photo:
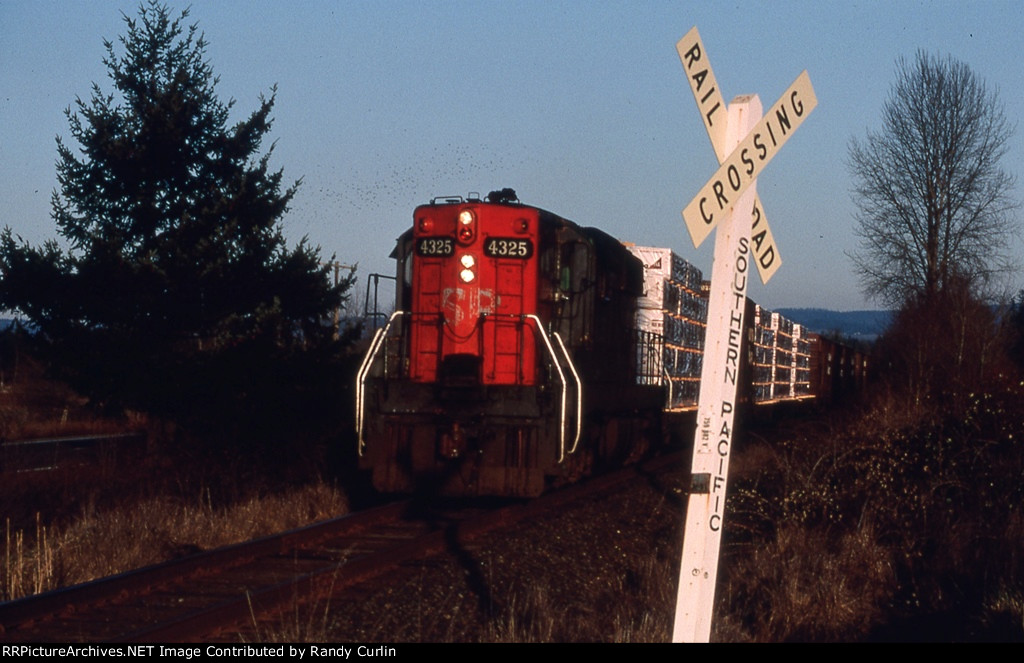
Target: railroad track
52	453
230	589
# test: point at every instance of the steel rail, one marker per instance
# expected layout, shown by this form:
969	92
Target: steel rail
20	613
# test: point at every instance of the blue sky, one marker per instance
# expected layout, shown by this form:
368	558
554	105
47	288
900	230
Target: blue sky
582	107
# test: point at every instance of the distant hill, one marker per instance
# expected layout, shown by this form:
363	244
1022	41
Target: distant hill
863	325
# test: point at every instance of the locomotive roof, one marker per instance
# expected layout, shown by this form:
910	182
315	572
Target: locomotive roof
610	251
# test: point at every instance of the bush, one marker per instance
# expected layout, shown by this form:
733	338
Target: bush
886	521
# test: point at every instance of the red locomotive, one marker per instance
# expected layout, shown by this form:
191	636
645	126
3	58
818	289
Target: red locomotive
511	359
526	350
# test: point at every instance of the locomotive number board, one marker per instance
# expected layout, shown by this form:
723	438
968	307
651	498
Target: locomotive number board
432	247
508	247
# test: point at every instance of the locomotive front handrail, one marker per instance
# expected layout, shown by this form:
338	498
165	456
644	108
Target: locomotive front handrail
364	369
565	387
579	391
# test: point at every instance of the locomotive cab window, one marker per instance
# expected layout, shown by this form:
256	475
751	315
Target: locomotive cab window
575	257
403	272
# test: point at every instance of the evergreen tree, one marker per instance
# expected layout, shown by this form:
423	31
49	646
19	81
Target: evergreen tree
176	293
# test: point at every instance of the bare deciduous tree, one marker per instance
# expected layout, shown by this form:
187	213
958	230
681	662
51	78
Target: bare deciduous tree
934	205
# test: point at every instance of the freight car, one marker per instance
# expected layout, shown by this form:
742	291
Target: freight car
526	350
838	371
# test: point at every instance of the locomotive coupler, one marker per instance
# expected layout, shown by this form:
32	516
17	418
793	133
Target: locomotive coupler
452	444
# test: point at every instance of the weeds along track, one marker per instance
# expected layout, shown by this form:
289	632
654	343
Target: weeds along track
233	589
196	595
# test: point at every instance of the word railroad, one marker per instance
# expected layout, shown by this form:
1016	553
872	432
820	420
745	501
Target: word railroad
745	140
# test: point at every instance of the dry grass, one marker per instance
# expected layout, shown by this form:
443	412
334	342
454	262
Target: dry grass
28	567
134	507
895	525
32	407
305	621
793	588
889	525
99	543
633	605
1005	611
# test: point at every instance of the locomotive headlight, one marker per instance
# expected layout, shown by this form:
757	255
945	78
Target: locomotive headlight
466	226
468	262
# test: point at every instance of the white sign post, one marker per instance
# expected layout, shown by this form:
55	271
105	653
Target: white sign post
744	141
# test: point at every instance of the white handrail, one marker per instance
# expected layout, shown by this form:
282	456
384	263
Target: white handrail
364	369
579	391
378	342
565	387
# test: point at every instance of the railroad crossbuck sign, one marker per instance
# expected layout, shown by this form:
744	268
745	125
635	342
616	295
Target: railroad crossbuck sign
740	168
744	141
